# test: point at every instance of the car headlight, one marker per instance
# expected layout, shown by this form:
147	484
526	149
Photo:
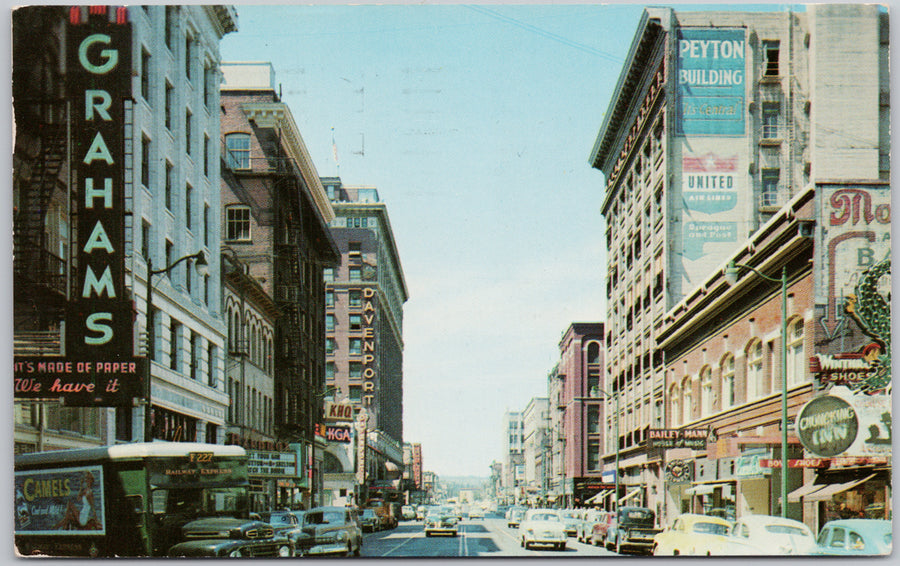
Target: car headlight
284	551
236	553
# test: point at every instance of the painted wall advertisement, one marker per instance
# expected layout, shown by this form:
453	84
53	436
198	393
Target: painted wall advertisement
852	359
711	82
65	501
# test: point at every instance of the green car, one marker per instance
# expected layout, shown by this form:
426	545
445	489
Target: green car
229	537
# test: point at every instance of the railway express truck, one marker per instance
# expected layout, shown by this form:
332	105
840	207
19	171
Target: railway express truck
124	500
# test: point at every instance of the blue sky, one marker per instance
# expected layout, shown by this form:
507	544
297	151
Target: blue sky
475	123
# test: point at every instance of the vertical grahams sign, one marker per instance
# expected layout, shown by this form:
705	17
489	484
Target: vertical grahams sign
99	367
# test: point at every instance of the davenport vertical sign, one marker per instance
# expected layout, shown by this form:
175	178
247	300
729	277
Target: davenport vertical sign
99	366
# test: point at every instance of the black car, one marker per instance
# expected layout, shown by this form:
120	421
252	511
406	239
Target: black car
330	530
230	537
287	524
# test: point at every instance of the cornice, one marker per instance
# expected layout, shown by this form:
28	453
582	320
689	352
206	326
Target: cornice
223	17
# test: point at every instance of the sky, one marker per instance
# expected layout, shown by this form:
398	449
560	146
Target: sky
475	123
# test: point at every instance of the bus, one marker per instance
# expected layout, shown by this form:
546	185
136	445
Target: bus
124	500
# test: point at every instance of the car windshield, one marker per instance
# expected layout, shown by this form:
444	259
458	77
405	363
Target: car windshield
787	530
643	517
277	518
200	502
368	514
545	517
324	518
711	528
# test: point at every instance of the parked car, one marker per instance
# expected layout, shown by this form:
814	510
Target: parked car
514	517
601	528
586	524
369	521
766	534
408	513
543	526
632	528
476	513
286	524
230	537
420	513
331	530
442	520
693	534
854	537
570	519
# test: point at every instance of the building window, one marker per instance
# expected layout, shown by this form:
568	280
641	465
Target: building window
770	114
329	345
174	349
593	416
329	322
195	355
207	211
686	406
355	322
795	366
170	250
355	393
355	298
706	392
356	369
355	274
754	370
206	154
328	275
329	298
329	370
188	118
237	148
208	89
170	174
237	223
356	346
145	75
593	454
355	249
206	289
145	162
770	55
188	55
170	101
145	239
675	396
123	423
728	382
769	194
171	14
188	198
152	326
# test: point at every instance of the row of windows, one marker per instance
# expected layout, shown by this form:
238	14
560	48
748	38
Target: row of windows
251	339
188	361
354	298
758	382
355	322
250	407
355	370
354	346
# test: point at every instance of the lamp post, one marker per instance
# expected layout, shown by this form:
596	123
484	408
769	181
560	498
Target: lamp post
202	267
731	276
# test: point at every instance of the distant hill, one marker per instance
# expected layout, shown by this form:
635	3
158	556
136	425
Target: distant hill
464	481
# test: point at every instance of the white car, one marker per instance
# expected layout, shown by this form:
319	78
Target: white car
543	526
766	534
442	520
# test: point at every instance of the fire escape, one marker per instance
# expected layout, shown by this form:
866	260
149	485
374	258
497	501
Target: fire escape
39	274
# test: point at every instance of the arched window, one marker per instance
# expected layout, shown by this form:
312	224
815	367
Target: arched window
727	381
593	353
796	369
237	151
755	370
706	392
675	396
686	406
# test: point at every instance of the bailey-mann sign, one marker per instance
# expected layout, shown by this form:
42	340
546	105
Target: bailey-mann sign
99	367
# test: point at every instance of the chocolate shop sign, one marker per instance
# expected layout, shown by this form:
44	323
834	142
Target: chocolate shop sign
827	425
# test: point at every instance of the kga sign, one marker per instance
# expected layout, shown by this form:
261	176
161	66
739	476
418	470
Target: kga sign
827	425
337	433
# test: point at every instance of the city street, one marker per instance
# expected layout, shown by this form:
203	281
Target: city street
480	538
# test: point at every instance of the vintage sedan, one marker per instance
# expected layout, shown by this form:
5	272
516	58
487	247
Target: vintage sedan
693	534
286	524
600	529
230	537
586	524
369	521
766	534
331	530
570	519
442	520
543	526
514	517
854	537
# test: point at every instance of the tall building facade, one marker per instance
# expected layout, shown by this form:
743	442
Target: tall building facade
513	457
81	271
364	325
274	217
725	142
535	446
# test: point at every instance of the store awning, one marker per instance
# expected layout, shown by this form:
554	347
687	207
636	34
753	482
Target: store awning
630	494
804	490
832	489
704	488
597	497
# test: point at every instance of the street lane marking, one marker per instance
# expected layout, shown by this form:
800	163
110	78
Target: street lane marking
405	540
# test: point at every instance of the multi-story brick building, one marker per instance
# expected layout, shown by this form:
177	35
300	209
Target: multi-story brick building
275	216
725	132
578	403
160	182
364	324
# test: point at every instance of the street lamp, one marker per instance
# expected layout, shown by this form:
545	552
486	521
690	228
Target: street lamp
202	267
731	276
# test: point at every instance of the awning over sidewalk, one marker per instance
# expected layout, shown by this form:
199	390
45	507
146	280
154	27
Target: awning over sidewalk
804	490
832	489
597	497
704	488
630	494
